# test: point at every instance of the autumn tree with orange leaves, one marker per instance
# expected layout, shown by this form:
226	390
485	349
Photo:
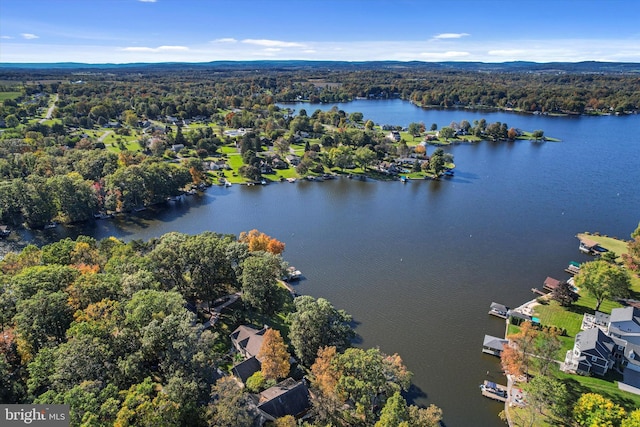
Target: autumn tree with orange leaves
258	241
273	356
516	356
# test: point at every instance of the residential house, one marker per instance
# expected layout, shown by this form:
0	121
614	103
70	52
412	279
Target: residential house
289	397
593	353
247	340
624	328
394	136
598	349
293	159
245	369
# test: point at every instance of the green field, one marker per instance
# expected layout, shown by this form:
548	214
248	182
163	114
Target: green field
9	95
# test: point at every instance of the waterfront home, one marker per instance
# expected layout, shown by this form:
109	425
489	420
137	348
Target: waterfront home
4	231
597	349
247	340
289	397
493	345
245	369
293	159
394	136
593	353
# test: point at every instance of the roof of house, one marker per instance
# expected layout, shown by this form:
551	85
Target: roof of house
286	398
499	307
625	322
246	368
248	338
519	315
494	342
594	342
625	314
551	283
588	242
602	318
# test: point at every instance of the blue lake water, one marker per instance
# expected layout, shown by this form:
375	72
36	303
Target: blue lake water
418	264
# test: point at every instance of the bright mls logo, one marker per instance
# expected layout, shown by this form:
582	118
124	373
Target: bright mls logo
36	415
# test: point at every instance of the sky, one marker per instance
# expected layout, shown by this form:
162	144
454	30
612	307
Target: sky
126	31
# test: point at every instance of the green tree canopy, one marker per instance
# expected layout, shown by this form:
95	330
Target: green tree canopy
316	324
603	281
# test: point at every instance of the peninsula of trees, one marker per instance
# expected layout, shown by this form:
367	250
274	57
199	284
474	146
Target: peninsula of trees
129	334
84	143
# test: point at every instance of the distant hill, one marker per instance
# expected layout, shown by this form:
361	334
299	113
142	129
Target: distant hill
516	66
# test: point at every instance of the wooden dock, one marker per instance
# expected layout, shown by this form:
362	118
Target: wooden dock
494	391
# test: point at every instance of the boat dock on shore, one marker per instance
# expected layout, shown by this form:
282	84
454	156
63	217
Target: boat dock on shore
494	391
499	310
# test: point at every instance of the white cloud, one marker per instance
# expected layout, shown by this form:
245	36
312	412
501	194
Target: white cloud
537	50
29	36
156	49
6	37
272	43
147	1
450	36
225	40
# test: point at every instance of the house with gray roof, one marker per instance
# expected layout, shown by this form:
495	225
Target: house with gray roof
247	340
598	349
624	323
245	369
493	345
593	353
289	397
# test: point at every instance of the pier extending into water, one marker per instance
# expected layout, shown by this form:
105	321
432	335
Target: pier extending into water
494	391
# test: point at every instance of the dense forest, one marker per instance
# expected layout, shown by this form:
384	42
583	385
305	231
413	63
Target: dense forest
78	143
128	334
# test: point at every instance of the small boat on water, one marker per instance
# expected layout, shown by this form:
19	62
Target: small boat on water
573	268
293	274
404	179
291	180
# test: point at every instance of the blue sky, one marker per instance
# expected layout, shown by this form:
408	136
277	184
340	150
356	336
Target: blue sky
123	31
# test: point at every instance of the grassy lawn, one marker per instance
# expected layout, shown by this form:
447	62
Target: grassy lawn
611	243
619	247
578	385
9	95
228	149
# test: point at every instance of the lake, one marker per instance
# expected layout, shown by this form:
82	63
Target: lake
418	264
